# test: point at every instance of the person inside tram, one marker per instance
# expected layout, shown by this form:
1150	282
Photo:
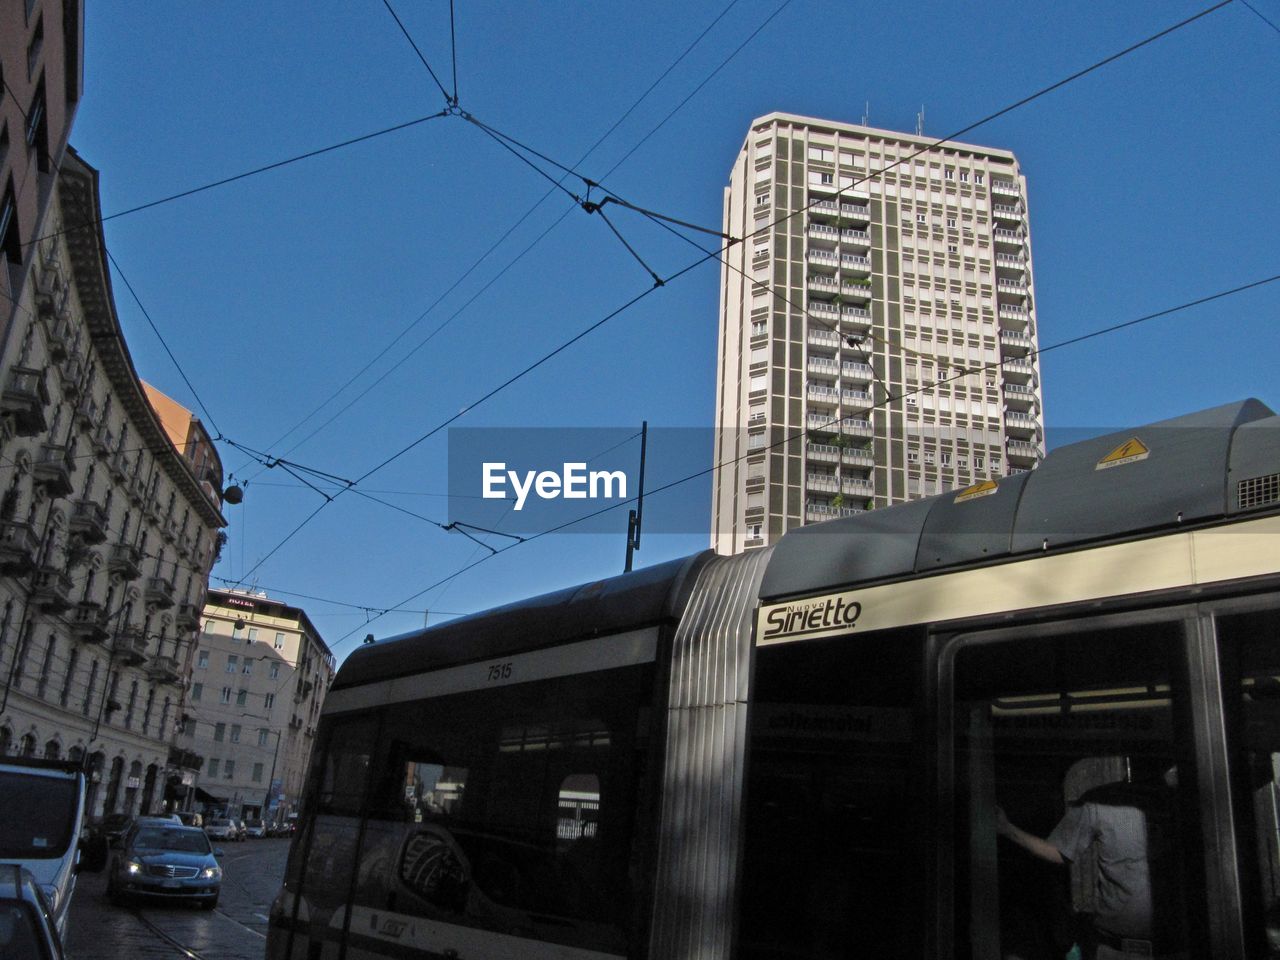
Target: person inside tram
1124	828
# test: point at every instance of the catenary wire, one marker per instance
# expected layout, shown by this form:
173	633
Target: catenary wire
923	388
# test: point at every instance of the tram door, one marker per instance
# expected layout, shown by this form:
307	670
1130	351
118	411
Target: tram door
1074	821
833	859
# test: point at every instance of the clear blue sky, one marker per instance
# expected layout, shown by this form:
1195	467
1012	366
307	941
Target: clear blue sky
1153	181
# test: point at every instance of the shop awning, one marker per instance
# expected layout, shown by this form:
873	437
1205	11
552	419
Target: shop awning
205	797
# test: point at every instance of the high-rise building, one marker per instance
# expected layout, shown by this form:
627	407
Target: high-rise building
877	326
258	682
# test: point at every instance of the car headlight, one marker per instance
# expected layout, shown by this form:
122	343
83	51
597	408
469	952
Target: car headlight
212	873
133	867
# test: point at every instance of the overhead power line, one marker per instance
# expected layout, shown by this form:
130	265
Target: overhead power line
1044	91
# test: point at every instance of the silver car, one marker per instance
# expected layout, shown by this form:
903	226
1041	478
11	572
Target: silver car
166	860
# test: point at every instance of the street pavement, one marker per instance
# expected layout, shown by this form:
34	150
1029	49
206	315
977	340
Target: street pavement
235	930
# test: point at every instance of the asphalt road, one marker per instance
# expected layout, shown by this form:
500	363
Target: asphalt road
235	930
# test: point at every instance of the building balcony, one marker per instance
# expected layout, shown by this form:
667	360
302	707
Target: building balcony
820	283
159	592
818	337
51	589
823	233
818	512
188	617
1008	263
59	332
858	265
824	366
88	622
1013	318
164	670
822	452
89	520
855	398
1020	424
855	291
855	211
824	482
187	544
1011	288
822	423
822	395
137	485
19	546
87	415
1006	188
24	399
858	458
1007	238
131	645
125	561
1022	452
857	428
1019	396
857	372
1014	342
103	441
858	239
118	464
855	319
1019	370
822	310
857	487
1005	211
824	208
53	470
72	370
823	258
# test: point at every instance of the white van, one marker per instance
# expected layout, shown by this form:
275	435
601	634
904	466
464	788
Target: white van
43	811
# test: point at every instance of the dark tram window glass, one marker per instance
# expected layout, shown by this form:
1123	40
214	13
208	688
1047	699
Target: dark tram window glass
512	810
1250	654
833	859
1072	834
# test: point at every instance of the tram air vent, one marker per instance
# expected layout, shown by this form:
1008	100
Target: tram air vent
1258	491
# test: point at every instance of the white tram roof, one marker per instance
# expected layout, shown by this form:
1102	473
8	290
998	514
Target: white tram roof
1205	466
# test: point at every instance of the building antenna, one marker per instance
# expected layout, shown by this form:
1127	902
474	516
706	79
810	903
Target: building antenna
866	114
920	122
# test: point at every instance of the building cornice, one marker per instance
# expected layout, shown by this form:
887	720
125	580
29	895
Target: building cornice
86	250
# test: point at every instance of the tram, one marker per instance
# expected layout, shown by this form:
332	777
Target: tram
809	750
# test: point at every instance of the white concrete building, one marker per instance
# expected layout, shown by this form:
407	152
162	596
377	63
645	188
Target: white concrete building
110	514
258	682
848	316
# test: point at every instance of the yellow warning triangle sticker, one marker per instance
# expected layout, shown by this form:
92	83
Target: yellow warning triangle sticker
984	489
1131	451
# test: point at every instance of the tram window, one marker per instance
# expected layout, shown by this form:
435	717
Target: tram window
512	810
833	858
1075	738
1250	654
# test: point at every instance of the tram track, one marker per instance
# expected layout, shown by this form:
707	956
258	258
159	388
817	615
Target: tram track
168	938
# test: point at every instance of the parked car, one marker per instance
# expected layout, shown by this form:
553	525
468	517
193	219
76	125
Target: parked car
27	927
220	828
41	815
255	829
160	818
190	818
165	860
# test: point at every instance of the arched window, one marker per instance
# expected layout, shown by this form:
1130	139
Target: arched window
52	750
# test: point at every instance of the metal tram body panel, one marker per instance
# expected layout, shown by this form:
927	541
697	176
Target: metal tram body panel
798	752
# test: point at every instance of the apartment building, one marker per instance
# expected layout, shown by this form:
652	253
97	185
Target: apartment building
877	336
42	65
109	524
259	679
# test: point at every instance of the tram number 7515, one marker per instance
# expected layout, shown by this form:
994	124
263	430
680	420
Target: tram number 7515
499	671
